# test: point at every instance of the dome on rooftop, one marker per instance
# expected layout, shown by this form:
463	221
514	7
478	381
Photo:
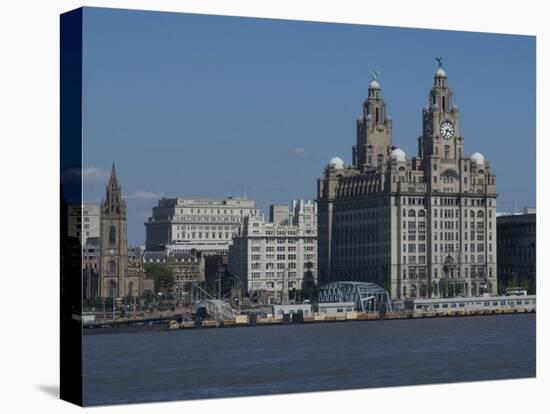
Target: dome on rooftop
374	85
440	73
337	163
398	155
477	158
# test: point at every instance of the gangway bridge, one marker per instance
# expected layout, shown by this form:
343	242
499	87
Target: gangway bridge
216	308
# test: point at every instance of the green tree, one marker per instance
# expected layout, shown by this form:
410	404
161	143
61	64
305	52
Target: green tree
148	297
162	275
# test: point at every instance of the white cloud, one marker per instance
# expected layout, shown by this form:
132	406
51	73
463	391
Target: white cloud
143	195
89	175
299	152
95	174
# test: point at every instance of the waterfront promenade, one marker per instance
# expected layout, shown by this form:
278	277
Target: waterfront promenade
174	321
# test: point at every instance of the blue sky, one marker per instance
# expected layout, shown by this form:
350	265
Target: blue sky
194	105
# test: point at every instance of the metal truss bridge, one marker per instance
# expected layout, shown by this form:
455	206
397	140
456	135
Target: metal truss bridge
368	297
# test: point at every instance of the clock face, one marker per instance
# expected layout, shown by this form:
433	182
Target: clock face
447	130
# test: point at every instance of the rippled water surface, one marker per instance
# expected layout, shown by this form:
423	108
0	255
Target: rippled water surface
208	363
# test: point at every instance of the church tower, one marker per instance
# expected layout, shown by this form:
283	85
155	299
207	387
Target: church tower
114	240
374	130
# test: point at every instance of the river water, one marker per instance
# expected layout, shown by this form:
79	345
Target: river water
208	363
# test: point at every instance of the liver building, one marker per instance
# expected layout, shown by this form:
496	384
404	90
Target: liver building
421	226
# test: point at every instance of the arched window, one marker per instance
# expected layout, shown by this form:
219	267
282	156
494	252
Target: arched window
112	235
480	214
421	213
412	213
131	289
472	215
111	266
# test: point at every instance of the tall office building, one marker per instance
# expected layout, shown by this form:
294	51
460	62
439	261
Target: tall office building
419	226
273	258
517	250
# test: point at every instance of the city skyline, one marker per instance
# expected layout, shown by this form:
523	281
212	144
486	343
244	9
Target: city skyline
288	103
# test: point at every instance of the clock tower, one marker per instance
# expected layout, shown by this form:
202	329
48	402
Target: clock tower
114	240
374	130
441	137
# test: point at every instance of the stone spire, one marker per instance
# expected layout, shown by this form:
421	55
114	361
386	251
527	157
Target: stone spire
114	204
113	178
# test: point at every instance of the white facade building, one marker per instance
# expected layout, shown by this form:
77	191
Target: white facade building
205	225
83	221
273	258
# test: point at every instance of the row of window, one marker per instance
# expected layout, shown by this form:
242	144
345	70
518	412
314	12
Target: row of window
279	257
445	213
271	285
411	258
271	275
207	227
214	219
412	248
445	201
215	211
420	273
307	240
412	236
280	265
271	265
200	234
